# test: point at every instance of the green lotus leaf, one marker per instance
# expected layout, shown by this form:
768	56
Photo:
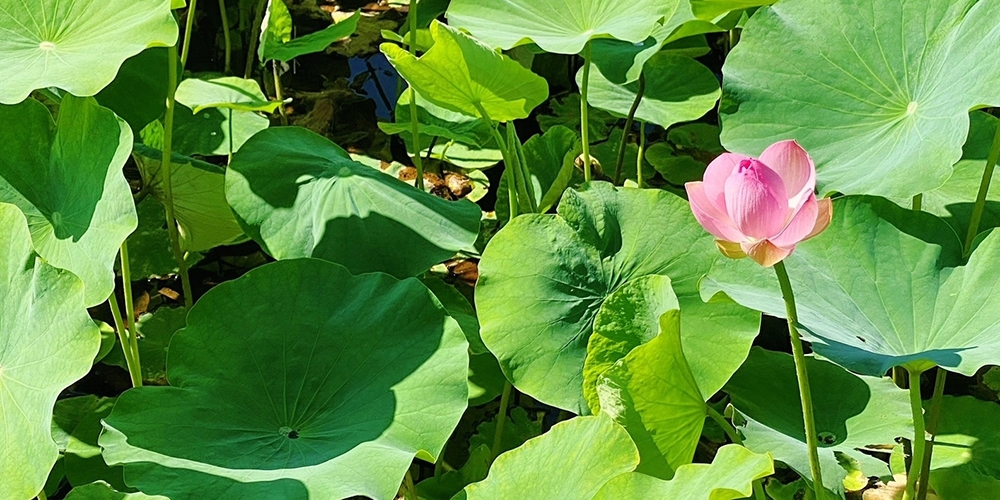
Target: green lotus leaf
76	46
880	102
954	200
730	476
300	195
713	9
883	287
436	121
217	128
138	93
678	89
154	331
461	74
599	450
566	112
653	394
284	50
852	413
104	491
149	244
550	158
76	424
227	92
49	342
67	179
298	380
966	460
543	279
204	219
559	26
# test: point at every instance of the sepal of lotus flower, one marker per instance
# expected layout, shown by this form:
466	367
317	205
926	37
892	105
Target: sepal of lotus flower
760	207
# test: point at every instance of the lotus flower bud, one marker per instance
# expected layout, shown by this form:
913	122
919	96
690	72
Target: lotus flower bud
760	207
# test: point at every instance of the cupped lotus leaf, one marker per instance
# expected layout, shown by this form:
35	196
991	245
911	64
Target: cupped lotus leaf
628	318
653	394
103	491
67	179
461	74
852	413
298	380
138	93
677	89
883	286
954	200
966	460
285	49
76	46
730	476
204	219
300	195
543	279
227	92
559	26
47	342
878	99
573	460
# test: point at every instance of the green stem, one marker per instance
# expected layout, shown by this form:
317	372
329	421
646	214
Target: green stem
414	121
254	36
408	490
525	192
130	306
226	36
641	156
192	5
628	128
734	436
509	163
501	419
584	124
133	369
919	435
41	495
984	188
734	37
801	373
932	423
166	169
278	93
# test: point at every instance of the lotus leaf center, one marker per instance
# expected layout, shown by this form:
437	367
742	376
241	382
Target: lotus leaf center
911	108
827	438
47	46
288	432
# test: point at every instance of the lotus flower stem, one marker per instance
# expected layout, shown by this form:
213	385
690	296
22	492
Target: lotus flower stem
584	124
641	155
133	369
805	392
501	418
226	37
192	5
418	162
984	189
166	170
932	422
734	436
130	308
919	435
628	128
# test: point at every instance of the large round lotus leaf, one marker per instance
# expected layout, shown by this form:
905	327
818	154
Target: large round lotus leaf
297	380
300	195
852	413
76	424
559	26
966	460
678	89
954	200
47	342
543	278
878	98
573	460
730	476
883	287
460	74
204	219
653	394
67	179
77	46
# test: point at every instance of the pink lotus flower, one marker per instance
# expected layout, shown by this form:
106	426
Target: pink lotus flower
760	207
